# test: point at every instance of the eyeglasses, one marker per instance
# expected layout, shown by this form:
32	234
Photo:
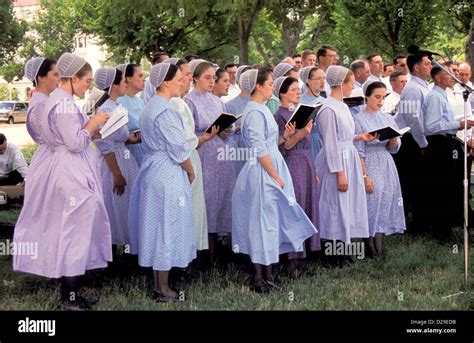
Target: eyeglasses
298	62
318	78
210	78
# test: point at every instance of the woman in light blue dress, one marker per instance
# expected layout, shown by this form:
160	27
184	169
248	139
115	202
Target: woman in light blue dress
384	195
314	80
161	211
266	219
133	104
236	106
342	198
118	168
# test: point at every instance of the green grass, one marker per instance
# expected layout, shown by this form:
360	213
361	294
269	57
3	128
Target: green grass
28	151
419	267
9	216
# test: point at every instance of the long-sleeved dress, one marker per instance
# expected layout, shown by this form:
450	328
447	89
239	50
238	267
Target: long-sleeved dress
65	212
197	187
266	220
218	173
342	215
303	173
135	107
117	205
161	213
385	204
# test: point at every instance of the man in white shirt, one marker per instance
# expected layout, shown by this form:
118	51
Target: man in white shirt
398	80
234	88
10	155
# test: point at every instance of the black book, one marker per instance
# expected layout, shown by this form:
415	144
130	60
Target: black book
353	101
224	121
303	114
389	132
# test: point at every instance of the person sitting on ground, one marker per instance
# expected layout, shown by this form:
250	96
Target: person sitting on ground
11	155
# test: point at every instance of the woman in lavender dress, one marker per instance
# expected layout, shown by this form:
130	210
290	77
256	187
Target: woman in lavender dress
296	152
44	75
384	196
342	198
66	214
118	168
218	173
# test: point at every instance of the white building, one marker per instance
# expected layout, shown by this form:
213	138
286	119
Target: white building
85	46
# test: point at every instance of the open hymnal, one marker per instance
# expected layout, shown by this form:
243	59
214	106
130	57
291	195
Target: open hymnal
224	121
389	132
118	118
303	114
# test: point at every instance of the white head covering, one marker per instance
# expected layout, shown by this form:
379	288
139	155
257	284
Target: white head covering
239	72
158	74
335	75
277	85
304	73
32	67
69	64
104	78
281	69
123	67
194	63
173	60
367	84
248	80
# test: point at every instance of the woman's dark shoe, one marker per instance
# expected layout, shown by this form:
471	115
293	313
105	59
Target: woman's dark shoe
163	298
261	287
79	304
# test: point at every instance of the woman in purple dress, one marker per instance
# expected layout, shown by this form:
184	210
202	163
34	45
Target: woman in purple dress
218	170
65	213
296	152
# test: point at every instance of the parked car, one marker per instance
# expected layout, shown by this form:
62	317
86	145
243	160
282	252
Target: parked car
13	111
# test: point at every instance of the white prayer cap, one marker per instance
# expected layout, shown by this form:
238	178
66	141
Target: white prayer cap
69	64
335	75
122	67
304	73
281	69
368	83
239	72
104	78
277	85
32	67
158	74
248	80
194	63
173	60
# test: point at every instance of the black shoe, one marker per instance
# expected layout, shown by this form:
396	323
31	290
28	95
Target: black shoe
80	304
162	298
263	288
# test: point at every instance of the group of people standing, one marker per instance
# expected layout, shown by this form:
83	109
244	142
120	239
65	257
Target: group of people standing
160	188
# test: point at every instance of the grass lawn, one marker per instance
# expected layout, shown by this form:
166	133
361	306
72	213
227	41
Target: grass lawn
416	274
